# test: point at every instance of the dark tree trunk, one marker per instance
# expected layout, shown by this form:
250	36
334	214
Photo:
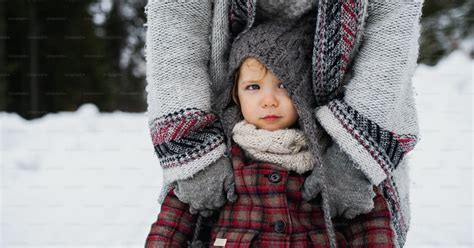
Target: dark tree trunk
3	55
33	58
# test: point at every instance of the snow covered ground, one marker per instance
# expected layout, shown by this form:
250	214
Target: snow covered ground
90	179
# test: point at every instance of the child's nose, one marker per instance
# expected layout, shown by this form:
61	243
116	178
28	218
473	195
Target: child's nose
269	99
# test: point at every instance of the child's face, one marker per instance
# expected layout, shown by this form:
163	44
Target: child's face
261	94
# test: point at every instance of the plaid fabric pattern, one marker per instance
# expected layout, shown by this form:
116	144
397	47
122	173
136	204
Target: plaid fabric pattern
270	212
372	229
175	225
338	36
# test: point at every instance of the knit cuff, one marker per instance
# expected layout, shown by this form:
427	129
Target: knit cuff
376	151
185	171
185	136
186	142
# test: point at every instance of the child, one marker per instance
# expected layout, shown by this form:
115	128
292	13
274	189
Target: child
267	119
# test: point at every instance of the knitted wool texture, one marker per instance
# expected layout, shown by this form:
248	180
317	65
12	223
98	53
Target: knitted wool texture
283	10
285	49
183	130
376	122
285	147
375	130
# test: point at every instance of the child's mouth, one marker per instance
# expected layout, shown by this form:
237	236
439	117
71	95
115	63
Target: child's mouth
271	118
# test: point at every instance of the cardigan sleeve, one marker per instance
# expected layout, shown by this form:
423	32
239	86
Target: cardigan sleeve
174	226
375	121
185	133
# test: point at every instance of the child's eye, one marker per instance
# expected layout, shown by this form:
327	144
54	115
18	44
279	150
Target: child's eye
281	85
251	86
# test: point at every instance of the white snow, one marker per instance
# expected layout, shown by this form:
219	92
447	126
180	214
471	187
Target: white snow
80	179
90	179
441	164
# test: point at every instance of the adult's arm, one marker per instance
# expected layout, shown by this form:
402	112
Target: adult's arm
185	133
376	122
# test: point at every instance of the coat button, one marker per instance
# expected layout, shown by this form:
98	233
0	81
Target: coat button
280	226
274	177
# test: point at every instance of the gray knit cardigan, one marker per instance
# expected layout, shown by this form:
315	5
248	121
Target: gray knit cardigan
375	122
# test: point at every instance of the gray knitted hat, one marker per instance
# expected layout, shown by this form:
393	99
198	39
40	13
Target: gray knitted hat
286	50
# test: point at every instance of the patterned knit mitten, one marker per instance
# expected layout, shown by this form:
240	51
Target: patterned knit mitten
209	189
350	192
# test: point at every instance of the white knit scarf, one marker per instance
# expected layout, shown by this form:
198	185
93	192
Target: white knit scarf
287	148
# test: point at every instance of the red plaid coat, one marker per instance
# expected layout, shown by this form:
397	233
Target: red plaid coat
270	212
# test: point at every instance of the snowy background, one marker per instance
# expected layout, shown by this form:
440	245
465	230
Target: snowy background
90	179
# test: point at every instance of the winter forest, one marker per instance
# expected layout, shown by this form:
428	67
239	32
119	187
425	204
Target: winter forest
56	57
